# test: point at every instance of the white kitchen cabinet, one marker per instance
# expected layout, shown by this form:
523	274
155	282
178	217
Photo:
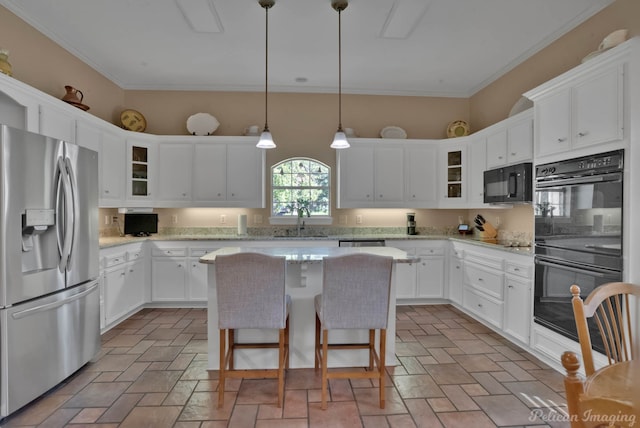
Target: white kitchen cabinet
197	288
477	165
209	174
123	281
141	164
483	293
112	169
421	176
510	141
424	279
430	273
56	122
452	173
245	175
168	272
406	280
175	162
371	174
583	108
455	279
518	302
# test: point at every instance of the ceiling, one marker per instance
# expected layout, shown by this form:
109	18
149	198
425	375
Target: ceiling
449	48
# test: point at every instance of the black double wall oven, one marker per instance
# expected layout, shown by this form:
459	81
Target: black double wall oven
578	235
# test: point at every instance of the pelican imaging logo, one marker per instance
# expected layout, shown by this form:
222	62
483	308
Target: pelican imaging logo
560	415
550	411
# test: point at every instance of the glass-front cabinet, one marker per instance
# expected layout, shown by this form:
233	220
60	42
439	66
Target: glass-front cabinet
453	172
141	161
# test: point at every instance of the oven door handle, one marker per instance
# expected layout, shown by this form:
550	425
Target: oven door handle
571	267
579	180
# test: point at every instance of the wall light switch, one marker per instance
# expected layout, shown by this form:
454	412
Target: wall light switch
223	218
359	219
174	219
107	220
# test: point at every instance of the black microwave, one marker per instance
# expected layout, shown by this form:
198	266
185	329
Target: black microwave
509	185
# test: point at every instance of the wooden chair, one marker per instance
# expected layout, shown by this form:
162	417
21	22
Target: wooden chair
355	295
250	289
609	306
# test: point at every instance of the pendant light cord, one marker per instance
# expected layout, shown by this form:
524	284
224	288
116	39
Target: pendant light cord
266	68
339	69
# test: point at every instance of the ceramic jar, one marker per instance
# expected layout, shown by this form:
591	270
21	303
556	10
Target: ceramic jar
5	67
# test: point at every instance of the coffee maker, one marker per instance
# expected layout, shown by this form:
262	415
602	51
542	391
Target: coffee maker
411	223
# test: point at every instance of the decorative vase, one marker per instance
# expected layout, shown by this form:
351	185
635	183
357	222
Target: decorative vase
5	67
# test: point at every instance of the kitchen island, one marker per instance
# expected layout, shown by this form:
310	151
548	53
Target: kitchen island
303	283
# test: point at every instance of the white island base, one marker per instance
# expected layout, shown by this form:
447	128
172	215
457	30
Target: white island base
304	282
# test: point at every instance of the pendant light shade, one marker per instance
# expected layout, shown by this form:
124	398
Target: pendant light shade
266	140
340	139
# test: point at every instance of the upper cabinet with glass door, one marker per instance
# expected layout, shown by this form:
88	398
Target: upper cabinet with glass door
453	170
141	164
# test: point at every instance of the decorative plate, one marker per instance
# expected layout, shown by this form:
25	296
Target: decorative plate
457	128
202	124
133	120
393	132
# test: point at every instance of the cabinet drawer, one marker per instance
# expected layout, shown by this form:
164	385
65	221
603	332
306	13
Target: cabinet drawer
134	255
487	281
524	271
199	252
484	260
483	306
115	259
429	251
169	252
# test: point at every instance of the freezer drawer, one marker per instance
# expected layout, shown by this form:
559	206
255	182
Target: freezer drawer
46	340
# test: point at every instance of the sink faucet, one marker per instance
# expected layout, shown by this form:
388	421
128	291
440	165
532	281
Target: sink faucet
300	225
301	207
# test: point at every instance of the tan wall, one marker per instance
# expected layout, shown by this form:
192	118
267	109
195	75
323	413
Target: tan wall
493	103
43	64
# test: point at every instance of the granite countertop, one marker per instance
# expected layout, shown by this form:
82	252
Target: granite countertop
107	242
311	254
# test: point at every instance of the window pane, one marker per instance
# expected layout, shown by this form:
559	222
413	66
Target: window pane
300	179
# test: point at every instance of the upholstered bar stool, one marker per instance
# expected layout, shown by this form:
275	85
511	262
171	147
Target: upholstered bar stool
251	295
355	295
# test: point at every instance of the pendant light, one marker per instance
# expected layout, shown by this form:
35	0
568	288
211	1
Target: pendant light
340	139
266	140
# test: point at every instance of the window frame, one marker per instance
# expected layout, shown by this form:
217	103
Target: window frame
292	218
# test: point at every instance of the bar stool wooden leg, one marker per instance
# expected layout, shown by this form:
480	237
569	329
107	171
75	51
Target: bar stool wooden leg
317	347
325	381
222	368
381	364
372	347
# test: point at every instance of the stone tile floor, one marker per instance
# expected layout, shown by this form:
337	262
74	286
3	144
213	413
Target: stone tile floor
454	372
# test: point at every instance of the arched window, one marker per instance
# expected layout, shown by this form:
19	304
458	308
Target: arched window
300	186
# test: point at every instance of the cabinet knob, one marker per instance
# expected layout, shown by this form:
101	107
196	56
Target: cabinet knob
122	273
582	134
184	194
516	270
509	286
380	196
130	270
479	305
562	140
219	194
457	267
513	153
106	191
499	157
179	265
480	279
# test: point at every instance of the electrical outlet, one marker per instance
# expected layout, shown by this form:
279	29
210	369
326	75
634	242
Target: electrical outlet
174	219
257	219
114	219
359	219
223	218
107	220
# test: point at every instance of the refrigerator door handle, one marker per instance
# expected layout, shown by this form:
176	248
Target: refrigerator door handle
64	234
75	211
53	305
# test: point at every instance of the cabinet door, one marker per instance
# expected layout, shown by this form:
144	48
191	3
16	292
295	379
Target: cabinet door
168	279
421	176
517	308
135	284
456	279
209	173
453	168
112	170
57	123
405	280
388	177
496	149
598	109
355	177
245	176
430	277
197	281
475	177
553	122
116	302
174	173
520	141
141	169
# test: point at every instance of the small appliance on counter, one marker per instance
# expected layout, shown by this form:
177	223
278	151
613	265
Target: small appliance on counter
411	224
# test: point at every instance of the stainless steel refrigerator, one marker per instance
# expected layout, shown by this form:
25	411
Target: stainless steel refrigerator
49	295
